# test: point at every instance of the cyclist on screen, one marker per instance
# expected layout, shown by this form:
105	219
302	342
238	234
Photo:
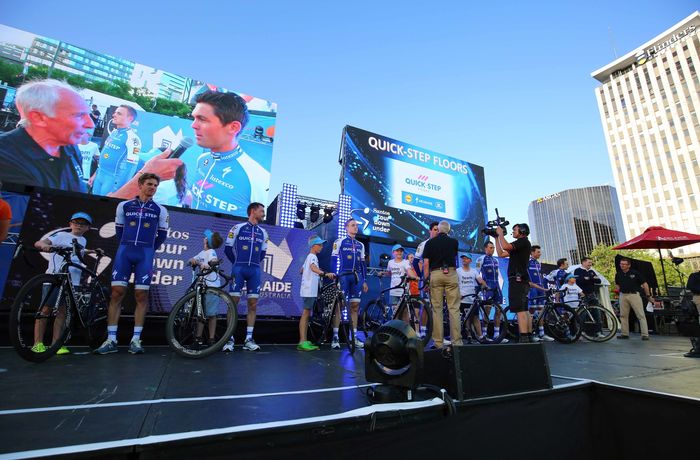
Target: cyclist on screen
220	181
142	226
120	154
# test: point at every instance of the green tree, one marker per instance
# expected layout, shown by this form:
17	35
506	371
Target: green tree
604	262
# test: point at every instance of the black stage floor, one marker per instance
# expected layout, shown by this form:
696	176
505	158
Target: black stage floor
82	399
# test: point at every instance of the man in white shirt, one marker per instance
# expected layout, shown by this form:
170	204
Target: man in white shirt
468	280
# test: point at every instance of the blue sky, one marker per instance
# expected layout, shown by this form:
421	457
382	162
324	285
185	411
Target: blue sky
506	86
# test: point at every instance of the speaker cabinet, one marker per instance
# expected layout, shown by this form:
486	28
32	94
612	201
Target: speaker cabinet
477	371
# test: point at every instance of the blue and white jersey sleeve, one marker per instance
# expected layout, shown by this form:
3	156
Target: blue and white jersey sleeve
164	219
336	247
266	238
232	234
119	218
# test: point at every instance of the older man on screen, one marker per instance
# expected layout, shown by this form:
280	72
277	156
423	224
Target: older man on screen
42	151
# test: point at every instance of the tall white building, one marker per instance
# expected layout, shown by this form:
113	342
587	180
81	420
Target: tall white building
648	101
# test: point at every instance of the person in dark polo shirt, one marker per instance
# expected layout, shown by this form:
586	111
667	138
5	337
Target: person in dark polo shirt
440	275
518	279
629	284
42	150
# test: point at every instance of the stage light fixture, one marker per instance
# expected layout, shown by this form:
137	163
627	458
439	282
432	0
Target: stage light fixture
301	210
327	214
394	357
315	211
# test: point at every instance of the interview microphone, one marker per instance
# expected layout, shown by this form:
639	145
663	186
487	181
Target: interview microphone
185	143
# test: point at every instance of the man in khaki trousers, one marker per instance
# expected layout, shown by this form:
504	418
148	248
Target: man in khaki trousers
440	274
629	283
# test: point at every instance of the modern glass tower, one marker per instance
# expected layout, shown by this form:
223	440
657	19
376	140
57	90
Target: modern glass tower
571	223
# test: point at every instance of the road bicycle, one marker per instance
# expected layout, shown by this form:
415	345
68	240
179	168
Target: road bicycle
559	320
202	320
411	309
48	309
480	320
330	302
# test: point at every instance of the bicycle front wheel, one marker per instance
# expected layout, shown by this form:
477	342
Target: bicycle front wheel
598	324
372	317
93	315
200	323
420	318
562	324
40	317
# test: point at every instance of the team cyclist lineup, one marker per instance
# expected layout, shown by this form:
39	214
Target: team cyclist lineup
219	182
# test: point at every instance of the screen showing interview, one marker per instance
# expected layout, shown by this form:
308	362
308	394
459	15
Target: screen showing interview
82	121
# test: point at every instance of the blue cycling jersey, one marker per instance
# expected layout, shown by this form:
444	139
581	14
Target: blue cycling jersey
488	269
559	277
140	223
351	255
534	270
219	182
118	161
246	244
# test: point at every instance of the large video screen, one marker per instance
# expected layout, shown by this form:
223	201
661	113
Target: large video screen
126	118
397	189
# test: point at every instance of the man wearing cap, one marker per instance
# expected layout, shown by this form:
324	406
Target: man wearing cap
440	275
141	226
469	279
310	274
397	268
79	224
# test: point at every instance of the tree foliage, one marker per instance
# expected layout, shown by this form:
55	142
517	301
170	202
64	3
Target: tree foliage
604	261
11	73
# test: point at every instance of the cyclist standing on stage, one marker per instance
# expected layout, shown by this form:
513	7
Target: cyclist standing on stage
120	154
245	248
349	256
537	289
142	226
487	266
469	279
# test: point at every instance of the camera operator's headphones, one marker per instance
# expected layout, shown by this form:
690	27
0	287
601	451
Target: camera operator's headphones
524	229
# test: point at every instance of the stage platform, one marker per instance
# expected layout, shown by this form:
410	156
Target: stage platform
123	406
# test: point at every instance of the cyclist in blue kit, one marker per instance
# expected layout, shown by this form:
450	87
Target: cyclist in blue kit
245	248
220	180
537	289
350	256
120	155
487	267
142	226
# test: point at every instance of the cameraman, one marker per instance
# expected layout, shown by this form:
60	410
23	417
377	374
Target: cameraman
518	279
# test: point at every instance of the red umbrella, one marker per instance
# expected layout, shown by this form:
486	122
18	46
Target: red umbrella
660	238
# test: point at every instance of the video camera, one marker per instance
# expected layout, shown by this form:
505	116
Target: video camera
491	225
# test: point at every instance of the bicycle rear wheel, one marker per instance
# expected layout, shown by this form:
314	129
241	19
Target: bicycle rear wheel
562	324
595	330
420	318
487	315
189	328
41	315
345	324
93	315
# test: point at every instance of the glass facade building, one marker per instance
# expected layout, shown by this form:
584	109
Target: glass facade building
571	223
648	101
73	59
